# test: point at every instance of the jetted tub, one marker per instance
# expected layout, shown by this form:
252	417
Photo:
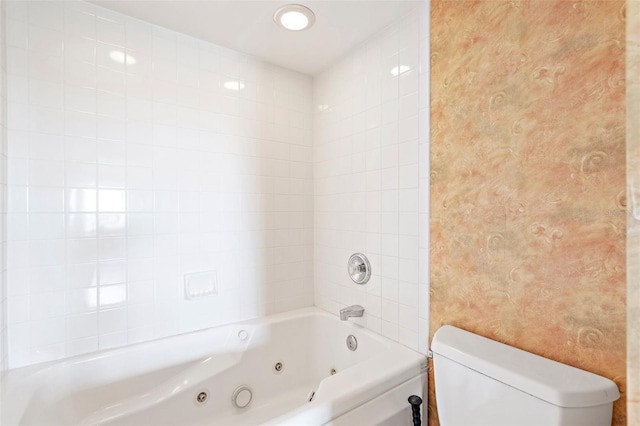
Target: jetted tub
293	368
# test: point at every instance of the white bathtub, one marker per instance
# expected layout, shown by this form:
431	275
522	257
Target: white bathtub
156	383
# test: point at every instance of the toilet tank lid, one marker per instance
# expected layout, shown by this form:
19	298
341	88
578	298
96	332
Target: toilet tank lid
551	381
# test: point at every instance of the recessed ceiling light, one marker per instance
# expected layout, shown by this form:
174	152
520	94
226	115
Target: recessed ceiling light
294	17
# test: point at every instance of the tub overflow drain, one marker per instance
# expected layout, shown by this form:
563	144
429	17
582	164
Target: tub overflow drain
241	396
352	343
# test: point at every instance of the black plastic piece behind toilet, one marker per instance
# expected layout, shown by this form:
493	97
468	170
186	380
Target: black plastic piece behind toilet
415	402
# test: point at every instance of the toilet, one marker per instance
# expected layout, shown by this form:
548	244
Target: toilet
479	381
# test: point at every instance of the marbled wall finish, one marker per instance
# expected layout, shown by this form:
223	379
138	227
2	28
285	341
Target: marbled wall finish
528	178
633	223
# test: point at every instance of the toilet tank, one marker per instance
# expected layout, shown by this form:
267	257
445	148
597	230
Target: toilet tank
479	381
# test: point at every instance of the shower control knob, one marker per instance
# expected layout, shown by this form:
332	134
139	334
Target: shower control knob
359	268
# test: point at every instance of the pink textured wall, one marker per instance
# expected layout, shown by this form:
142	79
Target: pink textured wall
633	224
528	178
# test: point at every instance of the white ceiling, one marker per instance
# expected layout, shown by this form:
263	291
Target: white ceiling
248	26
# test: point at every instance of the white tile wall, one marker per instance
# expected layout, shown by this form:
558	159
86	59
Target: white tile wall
371	164
125	176
131	164
3	182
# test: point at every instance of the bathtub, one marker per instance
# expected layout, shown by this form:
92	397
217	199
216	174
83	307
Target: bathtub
293	368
